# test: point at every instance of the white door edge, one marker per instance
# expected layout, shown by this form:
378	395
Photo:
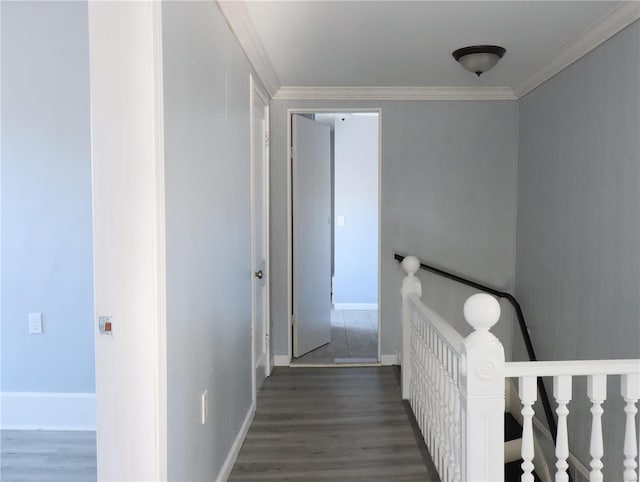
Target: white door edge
257	95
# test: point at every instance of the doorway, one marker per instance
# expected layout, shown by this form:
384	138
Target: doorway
260	325
335	228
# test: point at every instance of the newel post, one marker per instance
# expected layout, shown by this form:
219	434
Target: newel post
411	285
482	392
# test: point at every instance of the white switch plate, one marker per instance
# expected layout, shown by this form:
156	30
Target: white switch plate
35	323
342	221
205	407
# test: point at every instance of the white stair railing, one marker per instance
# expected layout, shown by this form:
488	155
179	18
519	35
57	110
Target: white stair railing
456	388
563	372
455	385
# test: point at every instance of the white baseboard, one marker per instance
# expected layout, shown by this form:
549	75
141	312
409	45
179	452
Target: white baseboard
281	360
389	360
355	306
229	462
47	411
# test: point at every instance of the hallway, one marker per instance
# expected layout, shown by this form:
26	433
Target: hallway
320	424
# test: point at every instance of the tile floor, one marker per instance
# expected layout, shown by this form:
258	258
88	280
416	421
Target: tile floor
354	339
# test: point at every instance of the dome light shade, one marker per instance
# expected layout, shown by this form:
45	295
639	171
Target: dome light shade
479	58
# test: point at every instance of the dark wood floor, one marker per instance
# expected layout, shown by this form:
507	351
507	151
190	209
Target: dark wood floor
338	424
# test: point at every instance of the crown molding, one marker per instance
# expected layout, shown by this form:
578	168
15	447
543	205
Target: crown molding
613	22
238	18
394	93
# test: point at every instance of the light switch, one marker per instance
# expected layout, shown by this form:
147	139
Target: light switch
35	323
341	221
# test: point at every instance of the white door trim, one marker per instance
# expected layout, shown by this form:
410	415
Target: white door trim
257	94
352	110
161	237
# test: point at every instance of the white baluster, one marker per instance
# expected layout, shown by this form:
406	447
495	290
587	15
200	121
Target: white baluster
457	475
441	408
597	393
562	394
451	416
630	391
431	393
411	285
528	393
451	462
416	378
426	383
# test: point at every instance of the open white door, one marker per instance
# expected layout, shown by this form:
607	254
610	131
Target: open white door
259	193
311	168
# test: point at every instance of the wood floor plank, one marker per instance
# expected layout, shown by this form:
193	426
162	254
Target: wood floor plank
47	456
339	424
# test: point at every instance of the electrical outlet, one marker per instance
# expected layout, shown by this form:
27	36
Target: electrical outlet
105	325
205	407
35	323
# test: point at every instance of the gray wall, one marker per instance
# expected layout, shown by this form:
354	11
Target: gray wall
206	88
356	198
46	198
578	244
448	186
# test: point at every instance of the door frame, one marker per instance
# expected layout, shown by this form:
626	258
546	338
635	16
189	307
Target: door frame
258	94
325	110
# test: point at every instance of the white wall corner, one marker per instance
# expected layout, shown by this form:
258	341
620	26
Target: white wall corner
47	411
239	20
281	360
394	93
620	17
229	462
389	360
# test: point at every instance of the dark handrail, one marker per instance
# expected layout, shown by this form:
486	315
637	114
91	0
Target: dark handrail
544	398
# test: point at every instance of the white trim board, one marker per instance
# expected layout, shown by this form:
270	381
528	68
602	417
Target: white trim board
394	93
281	360
239	20
336	365
355	306
229	462
160	370
386	360
47	411
613	22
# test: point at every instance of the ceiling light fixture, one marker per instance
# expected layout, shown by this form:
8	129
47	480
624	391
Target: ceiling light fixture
479	58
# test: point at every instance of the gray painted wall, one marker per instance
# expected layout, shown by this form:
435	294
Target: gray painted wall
448	186
206	88
578	244
356	198
46	198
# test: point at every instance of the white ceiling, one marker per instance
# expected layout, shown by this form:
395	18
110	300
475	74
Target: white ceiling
409	43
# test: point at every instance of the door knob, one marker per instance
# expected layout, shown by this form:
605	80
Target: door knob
258	274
